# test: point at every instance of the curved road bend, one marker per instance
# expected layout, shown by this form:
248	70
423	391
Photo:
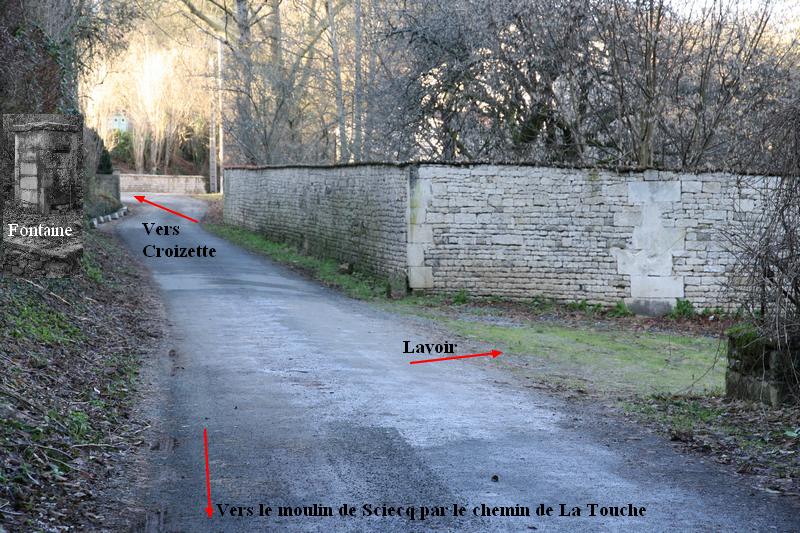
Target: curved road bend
308	399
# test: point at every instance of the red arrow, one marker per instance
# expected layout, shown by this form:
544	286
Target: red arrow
144	200
209	509
493	354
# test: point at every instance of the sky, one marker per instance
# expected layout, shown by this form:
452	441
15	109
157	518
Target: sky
785	13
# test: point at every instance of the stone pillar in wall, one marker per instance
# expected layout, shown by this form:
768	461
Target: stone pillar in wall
648	260
420	232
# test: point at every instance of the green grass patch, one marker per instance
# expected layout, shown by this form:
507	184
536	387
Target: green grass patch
28	318
78	425
679	414
611	361
423	305
542	305
461	297
683	309
620	310
585	307
91	269
357	285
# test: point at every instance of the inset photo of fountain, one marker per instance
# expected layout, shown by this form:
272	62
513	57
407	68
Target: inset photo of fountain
42	209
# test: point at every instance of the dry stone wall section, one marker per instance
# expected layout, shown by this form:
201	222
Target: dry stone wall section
646	238
168	184
354	214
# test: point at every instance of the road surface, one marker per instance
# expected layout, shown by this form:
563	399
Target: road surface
308	399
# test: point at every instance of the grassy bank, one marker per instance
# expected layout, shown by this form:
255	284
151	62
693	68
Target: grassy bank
69	357
757	440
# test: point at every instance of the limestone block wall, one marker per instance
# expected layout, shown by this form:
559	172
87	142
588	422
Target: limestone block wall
643	237
21	259
646	238
162	184
355	214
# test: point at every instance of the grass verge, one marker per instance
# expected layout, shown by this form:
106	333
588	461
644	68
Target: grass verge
609	361
355	284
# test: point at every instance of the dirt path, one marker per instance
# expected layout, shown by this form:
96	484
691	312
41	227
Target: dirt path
308	400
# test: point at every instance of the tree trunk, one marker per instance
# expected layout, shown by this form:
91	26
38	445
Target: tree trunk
344	153
220	119
244	108
358	123
651	90
212	141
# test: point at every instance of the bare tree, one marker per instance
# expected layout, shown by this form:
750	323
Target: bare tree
625	82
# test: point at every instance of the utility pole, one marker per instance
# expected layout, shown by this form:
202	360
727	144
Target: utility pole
212	139
221	121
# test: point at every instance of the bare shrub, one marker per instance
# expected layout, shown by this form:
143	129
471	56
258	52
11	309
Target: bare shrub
767	247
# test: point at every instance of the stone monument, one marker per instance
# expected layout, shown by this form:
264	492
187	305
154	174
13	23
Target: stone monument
46	166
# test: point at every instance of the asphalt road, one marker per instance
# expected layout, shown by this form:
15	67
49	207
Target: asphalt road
308	399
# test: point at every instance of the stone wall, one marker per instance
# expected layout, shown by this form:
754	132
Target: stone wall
163	184
20	259
759	371
355	214
646	238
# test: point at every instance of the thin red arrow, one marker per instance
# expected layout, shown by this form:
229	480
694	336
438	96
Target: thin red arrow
144	200
493	354
209	509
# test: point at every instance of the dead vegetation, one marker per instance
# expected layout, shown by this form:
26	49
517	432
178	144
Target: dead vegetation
754	439
69	357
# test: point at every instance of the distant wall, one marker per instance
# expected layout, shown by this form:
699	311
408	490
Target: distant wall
354	214
162	184
647	238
